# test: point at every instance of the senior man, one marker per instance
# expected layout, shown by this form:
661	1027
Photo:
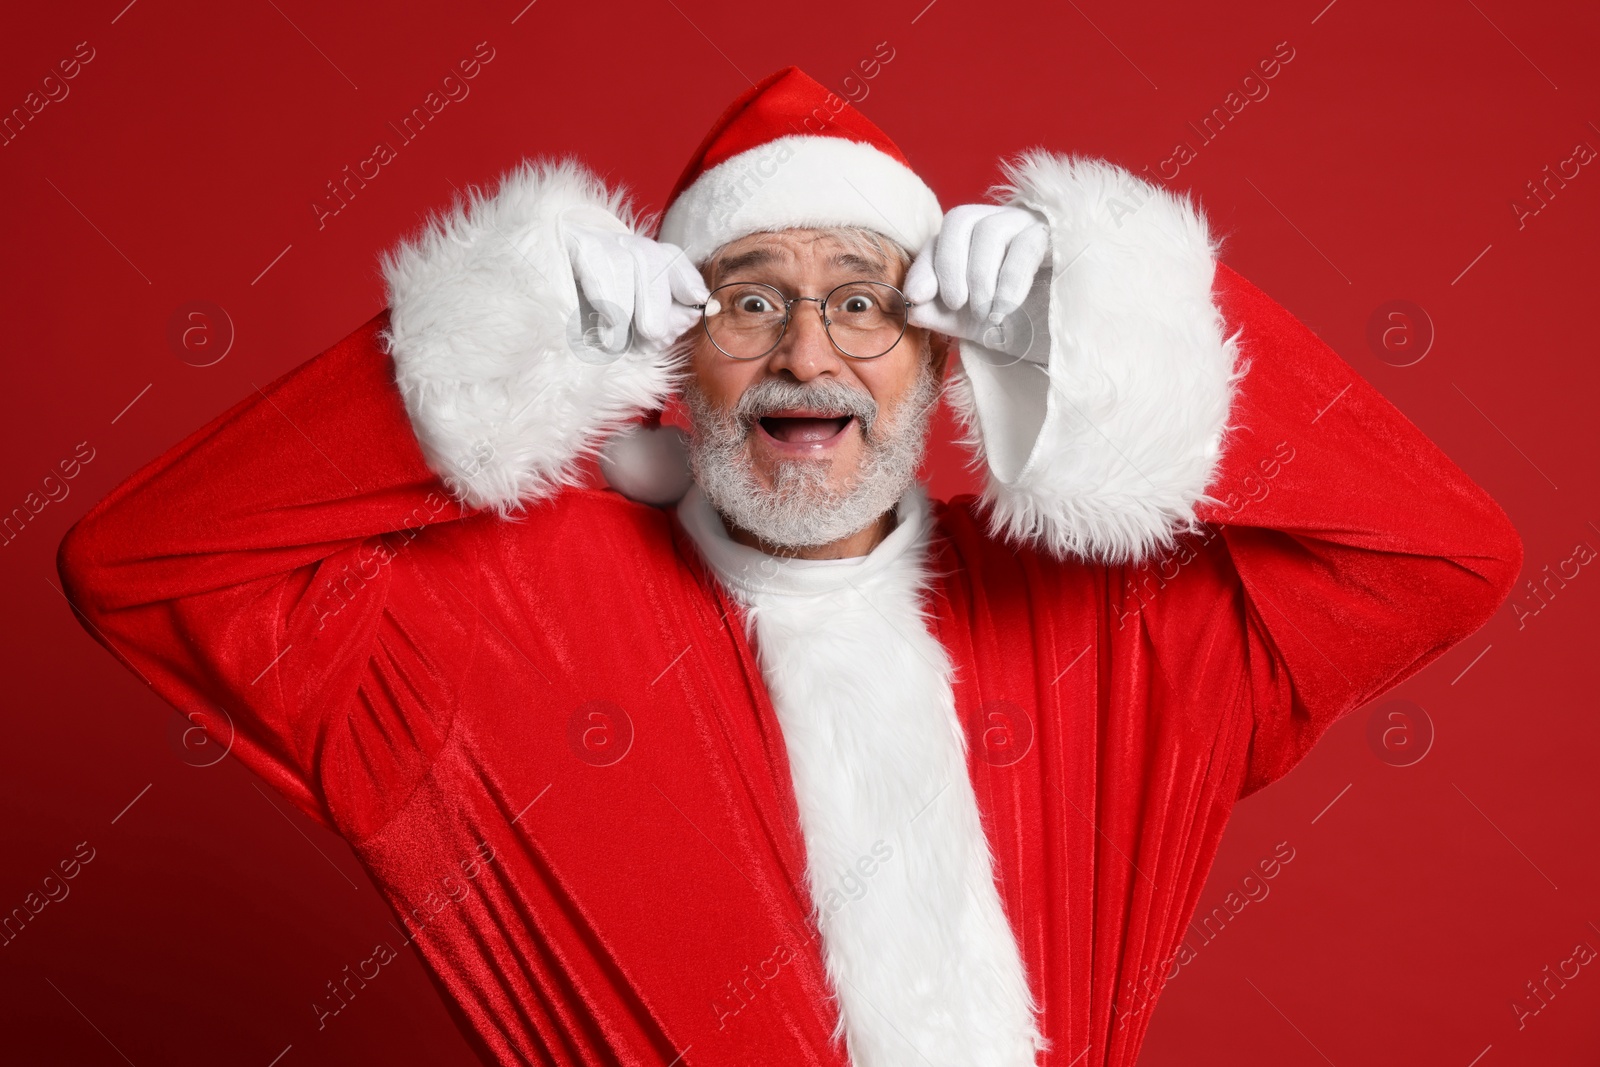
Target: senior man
762	756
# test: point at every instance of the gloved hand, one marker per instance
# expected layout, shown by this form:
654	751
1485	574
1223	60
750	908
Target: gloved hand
637	289
973	279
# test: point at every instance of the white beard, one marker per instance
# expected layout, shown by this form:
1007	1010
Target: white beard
801	510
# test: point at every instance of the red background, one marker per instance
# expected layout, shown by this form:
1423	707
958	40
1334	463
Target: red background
1382	166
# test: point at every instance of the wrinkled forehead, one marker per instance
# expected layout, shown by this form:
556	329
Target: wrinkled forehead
795	253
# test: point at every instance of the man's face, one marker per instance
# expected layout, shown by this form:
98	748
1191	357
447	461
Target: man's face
806	441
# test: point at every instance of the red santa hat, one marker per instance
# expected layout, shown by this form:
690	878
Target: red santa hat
789	153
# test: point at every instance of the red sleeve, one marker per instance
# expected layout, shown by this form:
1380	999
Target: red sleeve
245	573
1348	551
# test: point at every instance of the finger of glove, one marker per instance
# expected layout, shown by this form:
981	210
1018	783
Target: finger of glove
951	250
680	320
1024	256
986	252
933	315
652	290
614	301
922	284
606	279
688	287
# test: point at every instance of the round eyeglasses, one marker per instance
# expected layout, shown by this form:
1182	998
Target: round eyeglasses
747	320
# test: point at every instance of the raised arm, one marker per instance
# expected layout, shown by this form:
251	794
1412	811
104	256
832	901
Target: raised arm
241	572
265	576
1281	532
1362	553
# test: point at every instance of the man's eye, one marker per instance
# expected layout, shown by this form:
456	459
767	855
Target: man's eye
754	305
856	304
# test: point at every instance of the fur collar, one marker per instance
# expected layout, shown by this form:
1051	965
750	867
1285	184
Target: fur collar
916	942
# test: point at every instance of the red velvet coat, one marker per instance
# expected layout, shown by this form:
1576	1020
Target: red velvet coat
451	690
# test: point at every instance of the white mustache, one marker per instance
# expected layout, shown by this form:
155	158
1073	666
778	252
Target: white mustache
775	394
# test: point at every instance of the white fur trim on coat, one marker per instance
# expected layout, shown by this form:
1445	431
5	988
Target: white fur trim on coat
915	939
802	181
1111	459
503	392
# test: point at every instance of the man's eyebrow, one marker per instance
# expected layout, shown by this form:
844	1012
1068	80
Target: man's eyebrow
761	257
857	262
756	257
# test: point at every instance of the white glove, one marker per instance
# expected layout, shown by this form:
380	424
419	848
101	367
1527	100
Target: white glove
636	287
973	279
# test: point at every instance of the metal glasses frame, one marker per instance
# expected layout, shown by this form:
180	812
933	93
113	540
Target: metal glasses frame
788	315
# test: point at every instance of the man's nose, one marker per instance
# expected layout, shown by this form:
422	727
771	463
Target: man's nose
805	351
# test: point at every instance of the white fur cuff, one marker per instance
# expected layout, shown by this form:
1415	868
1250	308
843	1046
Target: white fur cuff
503	391
1104	450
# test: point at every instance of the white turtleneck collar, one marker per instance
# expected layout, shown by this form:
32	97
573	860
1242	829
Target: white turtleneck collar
749	570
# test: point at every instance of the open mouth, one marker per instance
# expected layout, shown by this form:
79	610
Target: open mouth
806	429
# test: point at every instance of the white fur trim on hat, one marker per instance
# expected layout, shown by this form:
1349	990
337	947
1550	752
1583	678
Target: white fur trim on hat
802	181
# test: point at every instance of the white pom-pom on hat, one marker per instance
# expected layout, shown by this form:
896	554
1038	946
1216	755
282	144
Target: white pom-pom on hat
648	462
